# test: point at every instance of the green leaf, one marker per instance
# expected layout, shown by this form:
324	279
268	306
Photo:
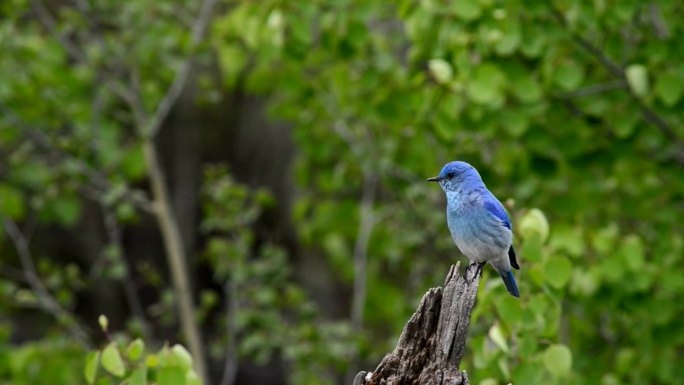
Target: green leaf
568	75
526	89
67	209
152	361
191	378
637	78
92	362
179	356
568	239
11	201
135	349
558	360
440	70
232	58
585	282
103	321
514	122
111	360
496	335
603	240
486	85
510	40
625	123
171	375
509	310
534	223
133	163
557	271
528	373
532	248
467	9
669	89
631	251
138	377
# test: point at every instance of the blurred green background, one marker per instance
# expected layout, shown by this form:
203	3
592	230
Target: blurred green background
246	179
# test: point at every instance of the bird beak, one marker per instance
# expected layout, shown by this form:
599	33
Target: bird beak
434	179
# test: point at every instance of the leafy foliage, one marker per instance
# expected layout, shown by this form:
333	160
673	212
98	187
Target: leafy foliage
570	107
536	95
132	365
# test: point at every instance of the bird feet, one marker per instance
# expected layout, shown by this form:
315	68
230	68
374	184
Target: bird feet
479	267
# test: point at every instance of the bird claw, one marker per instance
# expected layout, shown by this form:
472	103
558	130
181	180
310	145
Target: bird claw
478	270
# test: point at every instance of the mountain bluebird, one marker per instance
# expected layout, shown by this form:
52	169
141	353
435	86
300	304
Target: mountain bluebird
478	222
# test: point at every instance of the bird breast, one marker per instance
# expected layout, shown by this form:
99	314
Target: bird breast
479	235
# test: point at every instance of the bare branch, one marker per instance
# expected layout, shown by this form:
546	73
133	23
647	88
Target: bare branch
46	300
50	24
659	25
74	52
98	181
596	89
176	257
168	223
361	249
115	238
230	365
164	108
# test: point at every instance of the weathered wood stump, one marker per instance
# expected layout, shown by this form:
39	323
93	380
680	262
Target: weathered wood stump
433	341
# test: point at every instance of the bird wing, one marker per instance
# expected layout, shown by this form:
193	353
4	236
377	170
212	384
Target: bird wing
495	208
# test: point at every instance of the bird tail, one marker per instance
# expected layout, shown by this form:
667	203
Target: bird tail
509	281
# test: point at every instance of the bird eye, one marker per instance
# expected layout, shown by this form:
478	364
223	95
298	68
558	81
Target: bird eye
450	175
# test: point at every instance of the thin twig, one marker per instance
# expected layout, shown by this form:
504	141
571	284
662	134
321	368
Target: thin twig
230	366
46	300
98	181
164	108
616	70
596	89
116	239
51	25
659	25
74	52
367	221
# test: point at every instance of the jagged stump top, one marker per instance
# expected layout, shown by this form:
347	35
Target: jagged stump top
432	343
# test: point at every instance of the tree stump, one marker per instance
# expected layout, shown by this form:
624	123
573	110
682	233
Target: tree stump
433	341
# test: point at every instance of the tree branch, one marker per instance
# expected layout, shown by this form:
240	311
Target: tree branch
99	182
595	89
115	238
432	344
164	108
46	300
230	366
176	257
149	127
361	249
617	71
168	223
51	25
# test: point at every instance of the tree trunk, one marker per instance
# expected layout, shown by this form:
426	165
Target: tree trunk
433	341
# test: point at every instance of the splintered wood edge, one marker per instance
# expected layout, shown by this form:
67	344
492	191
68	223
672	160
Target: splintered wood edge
456	301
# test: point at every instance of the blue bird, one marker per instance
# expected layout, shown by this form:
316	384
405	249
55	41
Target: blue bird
478	222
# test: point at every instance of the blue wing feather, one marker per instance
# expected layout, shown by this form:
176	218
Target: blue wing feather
495	208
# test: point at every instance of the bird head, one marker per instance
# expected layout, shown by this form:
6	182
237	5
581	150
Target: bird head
455	174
